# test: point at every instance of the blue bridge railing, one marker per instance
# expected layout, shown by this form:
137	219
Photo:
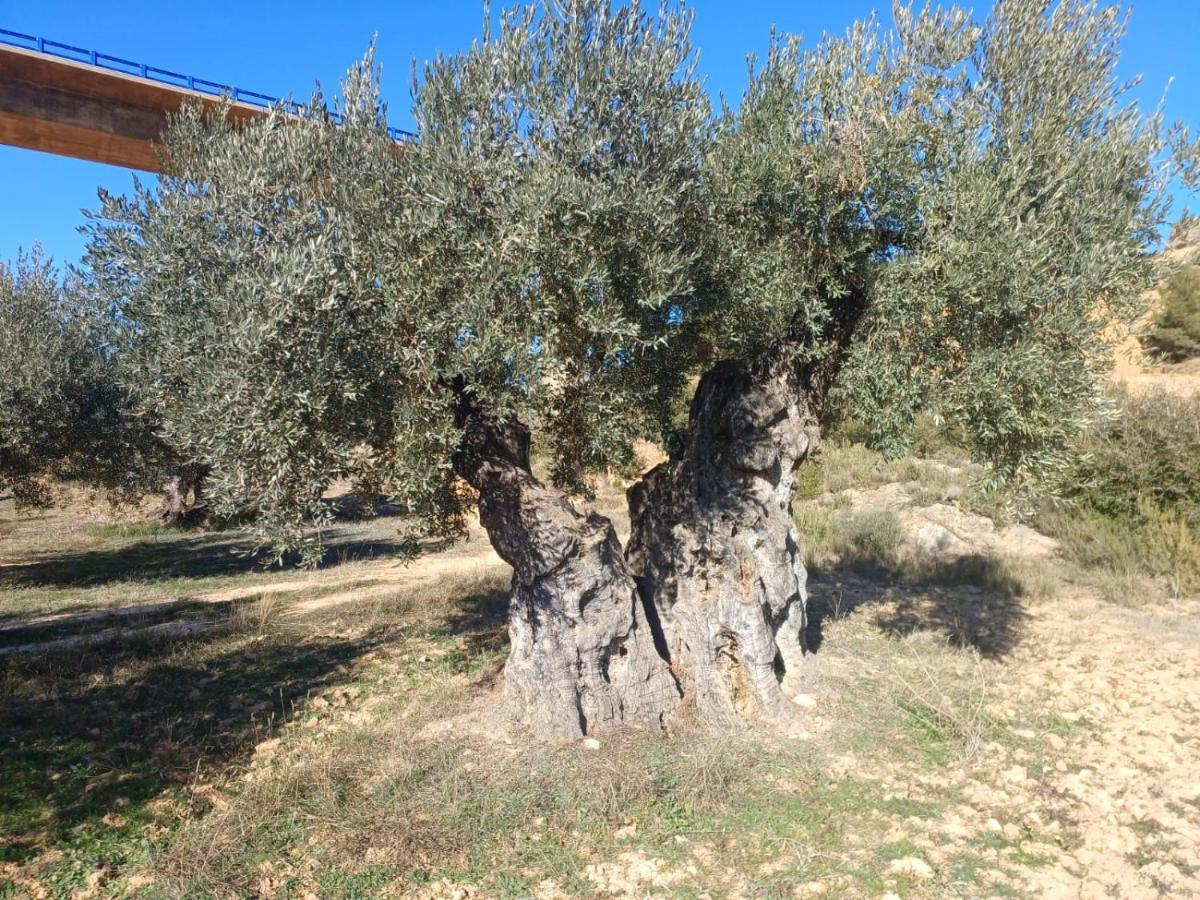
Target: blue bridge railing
165	76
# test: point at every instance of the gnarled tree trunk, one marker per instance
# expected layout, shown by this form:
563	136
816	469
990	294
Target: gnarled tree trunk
714	549
582	659
183	497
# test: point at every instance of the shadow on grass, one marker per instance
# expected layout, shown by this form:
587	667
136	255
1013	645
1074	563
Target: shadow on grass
86	735
973	601
482	623
179	555
350	508
93	625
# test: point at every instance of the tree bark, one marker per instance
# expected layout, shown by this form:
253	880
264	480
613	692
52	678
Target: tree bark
714	549
183	500
583	659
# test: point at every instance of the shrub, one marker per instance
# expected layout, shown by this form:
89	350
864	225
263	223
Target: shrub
871	536
810	480
1134	497
1176	332
1148	454
848	466
874	533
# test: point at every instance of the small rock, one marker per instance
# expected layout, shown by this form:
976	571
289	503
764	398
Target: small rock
591	743
625	831
1016	775
267	746
804	700
913	866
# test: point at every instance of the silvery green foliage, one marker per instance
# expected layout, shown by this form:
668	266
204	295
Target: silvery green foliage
297	292
985	197
1037	242
815	179
249	291
956	210
62	413
551	230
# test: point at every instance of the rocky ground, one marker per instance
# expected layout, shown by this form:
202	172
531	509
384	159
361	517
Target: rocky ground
977	723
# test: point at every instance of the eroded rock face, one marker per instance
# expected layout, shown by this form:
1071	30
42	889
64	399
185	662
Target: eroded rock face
715	552
582	658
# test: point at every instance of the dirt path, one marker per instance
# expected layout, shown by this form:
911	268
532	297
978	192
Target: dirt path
128	622
1128	784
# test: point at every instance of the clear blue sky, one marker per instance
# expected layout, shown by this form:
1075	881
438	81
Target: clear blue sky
279	48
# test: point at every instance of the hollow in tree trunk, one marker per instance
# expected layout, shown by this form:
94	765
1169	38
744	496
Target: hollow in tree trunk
582	659
715	551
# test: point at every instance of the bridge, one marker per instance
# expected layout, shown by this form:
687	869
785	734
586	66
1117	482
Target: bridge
63	99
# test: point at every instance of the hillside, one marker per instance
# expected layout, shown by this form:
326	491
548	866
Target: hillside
1133	368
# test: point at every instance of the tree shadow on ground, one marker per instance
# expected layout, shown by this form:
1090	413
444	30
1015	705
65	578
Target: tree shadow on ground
86	734
185	555
481	621
352	508
972	601
93	625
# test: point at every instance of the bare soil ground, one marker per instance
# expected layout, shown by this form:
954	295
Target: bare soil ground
1182	379
977	723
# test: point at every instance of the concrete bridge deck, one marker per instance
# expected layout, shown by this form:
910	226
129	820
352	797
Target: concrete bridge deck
75	109
62	99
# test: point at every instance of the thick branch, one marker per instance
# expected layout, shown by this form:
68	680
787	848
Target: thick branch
582	658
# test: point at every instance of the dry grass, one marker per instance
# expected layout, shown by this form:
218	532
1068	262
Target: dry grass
322	746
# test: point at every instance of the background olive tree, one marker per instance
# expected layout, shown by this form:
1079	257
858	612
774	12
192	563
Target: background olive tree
63	412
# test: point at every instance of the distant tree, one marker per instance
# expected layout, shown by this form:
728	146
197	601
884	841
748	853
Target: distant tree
63	412
945	218
1176	332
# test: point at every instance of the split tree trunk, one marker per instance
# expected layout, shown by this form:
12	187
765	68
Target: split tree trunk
583	659
183	499
714	549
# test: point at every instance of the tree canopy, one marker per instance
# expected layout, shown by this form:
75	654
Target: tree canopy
63	411
968	210
949	216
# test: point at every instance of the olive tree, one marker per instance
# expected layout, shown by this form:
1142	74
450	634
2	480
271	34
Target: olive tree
955	217
63	413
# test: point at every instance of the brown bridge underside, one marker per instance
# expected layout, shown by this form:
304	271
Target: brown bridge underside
73	109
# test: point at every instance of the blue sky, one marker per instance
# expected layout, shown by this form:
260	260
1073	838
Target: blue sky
279	48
